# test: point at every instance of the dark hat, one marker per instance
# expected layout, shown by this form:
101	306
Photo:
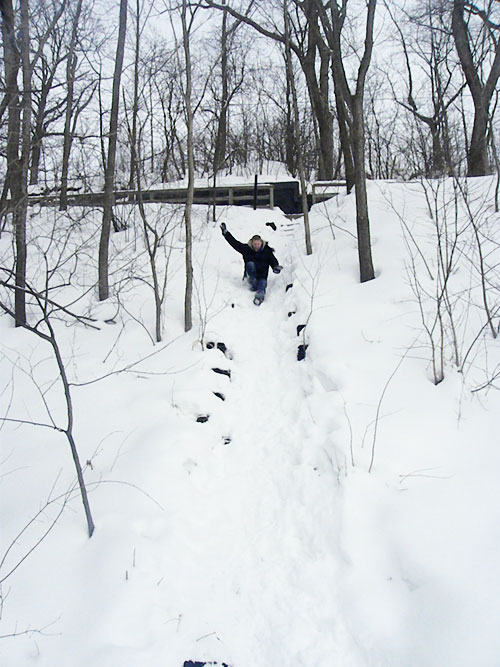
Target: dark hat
256	237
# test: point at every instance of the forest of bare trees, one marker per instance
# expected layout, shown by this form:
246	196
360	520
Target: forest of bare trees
117	98
97	96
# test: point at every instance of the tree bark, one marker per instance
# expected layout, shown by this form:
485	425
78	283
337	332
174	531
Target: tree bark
332	26
12	62
362	221
477	155
318	90
109	180
300	165
351	120
70	85
135	103
188	295
41	120
221	138
290	143
366	271
22	207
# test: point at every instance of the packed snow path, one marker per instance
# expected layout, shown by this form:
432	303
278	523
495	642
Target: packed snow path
266	573
256	537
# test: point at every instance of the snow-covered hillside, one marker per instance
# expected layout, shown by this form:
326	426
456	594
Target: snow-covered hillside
338	510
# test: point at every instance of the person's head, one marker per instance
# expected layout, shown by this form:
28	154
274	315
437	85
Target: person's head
256	242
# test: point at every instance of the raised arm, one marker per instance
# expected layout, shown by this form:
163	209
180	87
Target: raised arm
234	243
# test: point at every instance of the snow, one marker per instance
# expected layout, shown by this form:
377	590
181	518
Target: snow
340	510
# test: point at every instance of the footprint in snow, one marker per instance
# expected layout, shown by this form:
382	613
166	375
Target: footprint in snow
189	465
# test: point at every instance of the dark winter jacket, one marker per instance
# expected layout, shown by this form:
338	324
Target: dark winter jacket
263	258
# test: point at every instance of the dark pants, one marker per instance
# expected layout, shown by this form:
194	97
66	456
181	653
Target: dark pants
256	284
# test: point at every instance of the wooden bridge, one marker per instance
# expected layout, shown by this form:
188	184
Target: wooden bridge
282	194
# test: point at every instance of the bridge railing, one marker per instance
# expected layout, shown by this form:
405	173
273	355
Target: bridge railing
221	195
334	187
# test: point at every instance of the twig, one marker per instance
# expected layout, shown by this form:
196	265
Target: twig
382	398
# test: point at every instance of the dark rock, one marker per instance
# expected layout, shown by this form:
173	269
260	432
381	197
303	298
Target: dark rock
300	327
292	312
301	352
219	395
222	371
271	224
201	419
289	286
226	440
222	347
210	345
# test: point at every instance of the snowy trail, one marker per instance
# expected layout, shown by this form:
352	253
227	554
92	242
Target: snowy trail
256	537
267	499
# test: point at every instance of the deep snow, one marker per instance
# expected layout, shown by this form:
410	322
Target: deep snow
259	537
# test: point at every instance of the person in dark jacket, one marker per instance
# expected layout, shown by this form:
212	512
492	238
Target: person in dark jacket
258	257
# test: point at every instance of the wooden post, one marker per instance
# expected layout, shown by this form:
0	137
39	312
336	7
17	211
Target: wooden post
271	197
255	193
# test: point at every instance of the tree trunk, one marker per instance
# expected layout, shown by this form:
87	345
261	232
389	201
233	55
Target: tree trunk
109	181
290	143
477	155
478	163
70	83
300	165
12	62
135	103
221	138
69	429
22	206
188	296
318	90
40	125
324	119
351	121
438	161
343	100
366	271
362	221
344	118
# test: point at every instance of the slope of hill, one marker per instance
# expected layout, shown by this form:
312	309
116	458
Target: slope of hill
338	510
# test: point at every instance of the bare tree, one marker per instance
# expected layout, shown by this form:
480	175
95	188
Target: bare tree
162	85
351	118
71	64
109	178
384	156
155	231
187	17
45	111
133	123
480	262
221	136
300	165
14	179
432	46
307	44
187	23
44	330
472	57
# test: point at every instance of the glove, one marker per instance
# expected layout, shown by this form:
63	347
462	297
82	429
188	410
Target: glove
223	228
277	269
